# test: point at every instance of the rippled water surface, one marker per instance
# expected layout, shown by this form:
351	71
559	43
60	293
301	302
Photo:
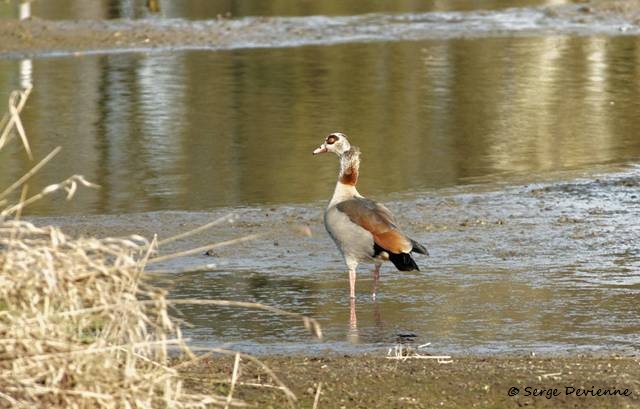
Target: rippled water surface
198	130
515	160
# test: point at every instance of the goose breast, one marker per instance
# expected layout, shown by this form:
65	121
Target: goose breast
353	240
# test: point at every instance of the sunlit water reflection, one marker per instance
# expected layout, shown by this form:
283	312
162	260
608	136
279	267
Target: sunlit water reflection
197	130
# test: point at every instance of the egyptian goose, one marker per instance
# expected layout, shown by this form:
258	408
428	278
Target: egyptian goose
363	230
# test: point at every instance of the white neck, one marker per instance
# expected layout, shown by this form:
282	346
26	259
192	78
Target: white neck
343	192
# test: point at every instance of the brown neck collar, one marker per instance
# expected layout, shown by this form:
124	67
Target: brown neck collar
349	165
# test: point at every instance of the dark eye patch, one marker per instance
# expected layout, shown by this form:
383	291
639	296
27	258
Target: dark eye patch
331	139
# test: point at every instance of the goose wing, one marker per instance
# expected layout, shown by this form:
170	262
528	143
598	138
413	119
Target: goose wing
379	221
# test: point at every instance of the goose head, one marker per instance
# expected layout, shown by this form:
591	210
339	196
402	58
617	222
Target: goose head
336	142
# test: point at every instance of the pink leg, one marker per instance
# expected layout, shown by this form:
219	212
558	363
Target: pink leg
352	283
376	279
352	264
353	320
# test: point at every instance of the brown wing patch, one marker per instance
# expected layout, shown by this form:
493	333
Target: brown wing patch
378	220
392	241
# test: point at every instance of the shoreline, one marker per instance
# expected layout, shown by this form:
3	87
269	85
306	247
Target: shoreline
36	37
374	382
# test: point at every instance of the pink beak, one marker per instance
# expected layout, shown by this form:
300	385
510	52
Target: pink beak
321	149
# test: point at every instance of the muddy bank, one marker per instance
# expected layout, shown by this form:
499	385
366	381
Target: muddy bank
467	382
41	37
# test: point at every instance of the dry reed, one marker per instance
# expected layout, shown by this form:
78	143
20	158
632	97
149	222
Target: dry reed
73	332
79	325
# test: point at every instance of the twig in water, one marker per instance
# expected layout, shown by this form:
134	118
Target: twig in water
31	172
201	268
310	323
23	196
17	99
204	248
69	185
229	217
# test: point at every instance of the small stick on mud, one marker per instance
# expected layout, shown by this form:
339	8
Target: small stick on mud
549	375
403	352
317	398
443	359
234	379
291	397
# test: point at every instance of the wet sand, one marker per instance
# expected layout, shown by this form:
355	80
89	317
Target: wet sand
468	382
38	37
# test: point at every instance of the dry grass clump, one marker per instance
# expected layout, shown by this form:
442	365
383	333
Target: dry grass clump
79	326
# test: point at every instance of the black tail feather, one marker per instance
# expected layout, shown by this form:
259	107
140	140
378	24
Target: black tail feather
419	248
403	262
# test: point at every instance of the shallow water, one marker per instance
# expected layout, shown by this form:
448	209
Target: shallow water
515	160
197	130
550	267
